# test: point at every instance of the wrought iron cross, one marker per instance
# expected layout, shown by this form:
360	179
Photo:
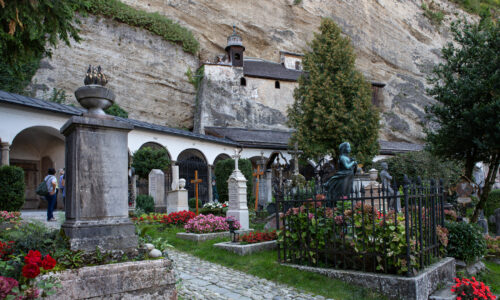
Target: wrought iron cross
196	181
295	153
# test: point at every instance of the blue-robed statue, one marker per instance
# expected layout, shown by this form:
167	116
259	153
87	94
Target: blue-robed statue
340	184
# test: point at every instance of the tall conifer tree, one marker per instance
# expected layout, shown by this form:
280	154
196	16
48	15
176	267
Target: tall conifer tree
333	100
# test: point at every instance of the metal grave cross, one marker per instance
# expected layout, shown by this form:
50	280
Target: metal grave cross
295	153
196	181
257	174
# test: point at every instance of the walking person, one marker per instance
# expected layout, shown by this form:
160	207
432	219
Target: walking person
51	198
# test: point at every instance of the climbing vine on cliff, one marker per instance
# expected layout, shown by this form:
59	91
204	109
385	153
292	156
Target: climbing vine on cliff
153	22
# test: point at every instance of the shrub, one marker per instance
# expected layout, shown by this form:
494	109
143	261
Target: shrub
492	203
147	159
466	241
192	203
146	203
11	188
208	223
422	164
223	170
116	110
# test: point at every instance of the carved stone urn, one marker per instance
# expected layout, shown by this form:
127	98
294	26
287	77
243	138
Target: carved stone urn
94	96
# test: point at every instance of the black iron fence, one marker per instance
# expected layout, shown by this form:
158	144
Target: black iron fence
388	229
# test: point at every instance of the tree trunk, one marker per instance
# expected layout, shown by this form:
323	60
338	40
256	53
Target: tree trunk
470	161
490	180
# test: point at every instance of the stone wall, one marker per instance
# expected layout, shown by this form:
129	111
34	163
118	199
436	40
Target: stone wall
224	102
146	73
395	43
150	279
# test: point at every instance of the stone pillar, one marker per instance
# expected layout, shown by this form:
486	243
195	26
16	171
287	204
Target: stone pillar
96	183
269	185
5	149
175	177
237	192
177	201
133	192
209	184
157	189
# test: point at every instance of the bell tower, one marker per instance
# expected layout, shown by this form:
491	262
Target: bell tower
235	49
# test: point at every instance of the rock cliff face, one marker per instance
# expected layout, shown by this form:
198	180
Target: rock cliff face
395	45
146	73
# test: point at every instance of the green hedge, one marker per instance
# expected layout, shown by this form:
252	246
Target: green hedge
146	159
223	170
153	22
465	241
146	203
492	203
422	164
11	188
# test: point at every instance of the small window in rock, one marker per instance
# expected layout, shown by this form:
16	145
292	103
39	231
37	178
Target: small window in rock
277	84
243	81
297	65
237	56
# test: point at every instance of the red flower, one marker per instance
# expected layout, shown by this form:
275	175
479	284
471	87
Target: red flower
31	270
34	258
48	262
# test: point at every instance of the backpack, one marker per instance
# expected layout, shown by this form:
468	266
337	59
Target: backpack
42	189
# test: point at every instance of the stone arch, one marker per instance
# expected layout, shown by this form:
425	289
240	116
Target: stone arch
35	149
189	161
142	184
220	157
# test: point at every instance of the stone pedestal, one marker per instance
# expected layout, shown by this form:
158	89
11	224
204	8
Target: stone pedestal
177	201
4	152
157	189
237	192
96	183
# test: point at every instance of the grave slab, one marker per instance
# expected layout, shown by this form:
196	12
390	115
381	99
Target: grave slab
246	249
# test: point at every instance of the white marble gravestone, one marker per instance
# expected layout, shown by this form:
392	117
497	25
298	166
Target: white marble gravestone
237	192
157	189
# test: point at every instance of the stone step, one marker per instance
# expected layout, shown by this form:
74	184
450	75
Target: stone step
444	293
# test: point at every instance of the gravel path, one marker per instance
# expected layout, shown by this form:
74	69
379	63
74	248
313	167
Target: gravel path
202	280
199	279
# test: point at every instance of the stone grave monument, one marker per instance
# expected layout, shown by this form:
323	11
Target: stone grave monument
237	192
96	173
177	198
157	189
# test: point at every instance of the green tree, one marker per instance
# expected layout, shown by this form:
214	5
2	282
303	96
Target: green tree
146	159
27	26
333	100
467	89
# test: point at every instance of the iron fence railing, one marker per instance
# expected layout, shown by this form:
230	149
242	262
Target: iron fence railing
377	228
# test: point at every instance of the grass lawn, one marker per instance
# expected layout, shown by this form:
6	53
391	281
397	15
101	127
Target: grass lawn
264	265
491	276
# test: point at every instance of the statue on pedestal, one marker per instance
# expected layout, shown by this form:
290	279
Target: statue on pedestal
340	184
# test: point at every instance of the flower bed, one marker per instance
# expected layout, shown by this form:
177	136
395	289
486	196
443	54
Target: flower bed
10	217
25	287
471	289
258	237
209	224
214	208
174	218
